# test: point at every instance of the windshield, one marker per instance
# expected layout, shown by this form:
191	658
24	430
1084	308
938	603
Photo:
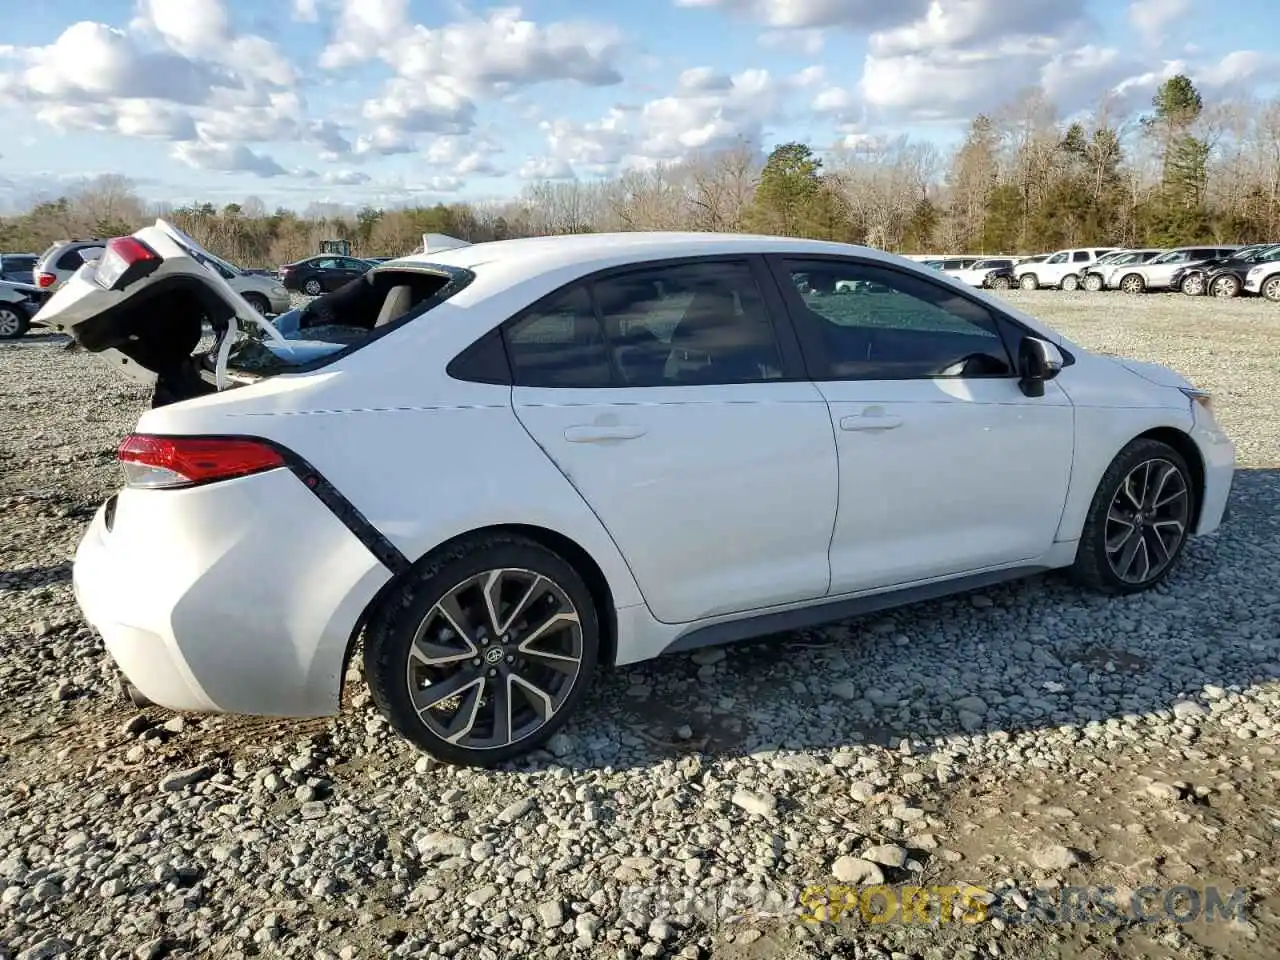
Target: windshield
1254	254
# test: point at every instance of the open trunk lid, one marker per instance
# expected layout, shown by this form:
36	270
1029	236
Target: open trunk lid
143	308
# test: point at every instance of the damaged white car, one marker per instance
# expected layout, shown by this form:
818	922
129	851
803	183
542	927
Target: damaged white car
506	465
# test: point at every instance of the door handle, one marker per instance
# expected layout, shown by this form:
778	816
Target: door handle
597	433
870	423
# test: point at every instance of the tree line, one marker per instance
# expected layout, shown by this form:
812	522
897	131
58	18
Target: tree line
1021	181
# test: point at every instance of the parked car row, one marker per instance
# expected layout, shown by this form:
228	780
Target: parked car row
1220	270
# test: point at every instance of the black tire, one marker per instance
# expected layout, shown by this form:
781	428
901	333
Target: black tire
1029	281
313	287
1226	286
1193	285
1001	283
258	302
14	321
411	606
1070	283
1093	567
1271	288
1132	283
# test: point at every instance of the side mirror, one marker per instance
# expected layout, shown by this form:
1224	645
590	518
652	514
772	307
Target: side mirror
1039	361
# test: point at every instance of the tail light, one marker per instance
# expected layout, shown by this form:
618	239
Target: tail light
124	261
45	280
158	462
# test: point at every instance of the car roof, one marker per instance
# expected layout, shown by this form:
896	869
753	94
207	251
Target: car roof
531	256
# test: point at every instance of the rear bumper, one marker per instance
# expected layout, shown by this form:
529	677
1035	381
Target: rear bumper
236	597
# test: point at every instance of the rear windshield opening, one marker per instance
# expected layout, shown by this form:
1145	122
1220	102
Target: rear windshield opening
342	321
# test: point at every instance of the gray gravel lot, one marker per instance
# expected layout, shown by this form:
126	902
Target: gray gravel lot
1028	737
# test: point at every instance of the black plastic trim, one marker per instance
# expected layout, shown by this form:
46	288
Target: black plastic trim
766	624
383	549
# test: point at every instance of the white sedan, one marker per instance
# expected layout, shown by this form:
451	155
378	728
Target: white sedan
505	465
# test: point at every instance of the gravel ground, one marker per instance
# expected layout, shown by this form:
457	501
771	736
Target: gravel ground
1024	739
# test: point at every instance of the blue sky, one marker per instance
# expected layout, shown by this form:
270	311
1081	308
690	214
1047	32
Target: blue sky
393	101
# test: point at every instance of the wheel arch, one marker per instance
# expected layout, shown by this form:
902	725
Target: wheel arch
564	546
1190	452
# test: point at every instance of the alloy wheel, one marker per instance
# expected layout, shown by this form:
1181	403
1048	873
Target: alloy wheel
1147	521
1029	282
1226	287
1132	284
1093	283
1070	282
1193	286
1271	289
10	322
312	287
495	659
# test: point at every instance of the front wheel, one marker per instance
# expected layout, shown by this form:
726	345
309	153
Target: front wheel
1000	283
1226	287
483	653
1133	283
313	288
1193	286
1138	521
1070	282
1093	282
1029	281
13	322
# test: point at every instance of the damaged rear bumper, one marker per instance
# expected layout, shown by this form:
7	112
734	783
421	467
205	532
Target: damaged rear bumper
236	597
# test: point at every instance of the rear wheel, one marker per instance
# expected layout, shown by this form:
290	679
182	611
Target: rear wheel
313	287
1029	281
258	302
1000	283
484	652
13	321
1070	282
1139	520
1133	283
1226	286
1093	283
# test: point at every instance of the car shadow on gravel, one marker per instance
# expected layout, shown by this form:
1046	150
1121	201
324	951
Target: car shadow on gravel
30	578
1032	654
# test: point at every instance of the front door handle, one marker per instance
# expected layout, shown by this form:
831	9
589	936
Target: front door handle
870	423
598	433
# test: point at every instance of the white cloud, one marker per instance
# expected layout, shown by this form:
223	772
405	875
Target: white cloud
201	29
345	178
442	72
963	56
226	158
1152	18
706	111
810	14
306	11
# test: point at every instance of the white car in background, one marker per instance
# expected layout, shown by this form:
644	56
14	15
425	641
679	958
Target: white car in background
1059	269
1157	273
527	459
1264	279
975	274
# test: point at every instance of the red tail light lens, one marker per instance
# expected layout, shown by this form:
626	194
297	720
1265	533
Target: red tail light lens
157	462
45	280
125	260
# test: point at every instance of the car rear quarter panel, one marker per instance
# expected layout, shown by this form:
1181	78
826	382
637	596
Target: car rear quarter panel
425	458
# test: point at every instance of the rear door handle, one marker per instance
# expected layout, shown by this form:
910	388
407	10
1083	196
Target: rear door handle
596	433
870	423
